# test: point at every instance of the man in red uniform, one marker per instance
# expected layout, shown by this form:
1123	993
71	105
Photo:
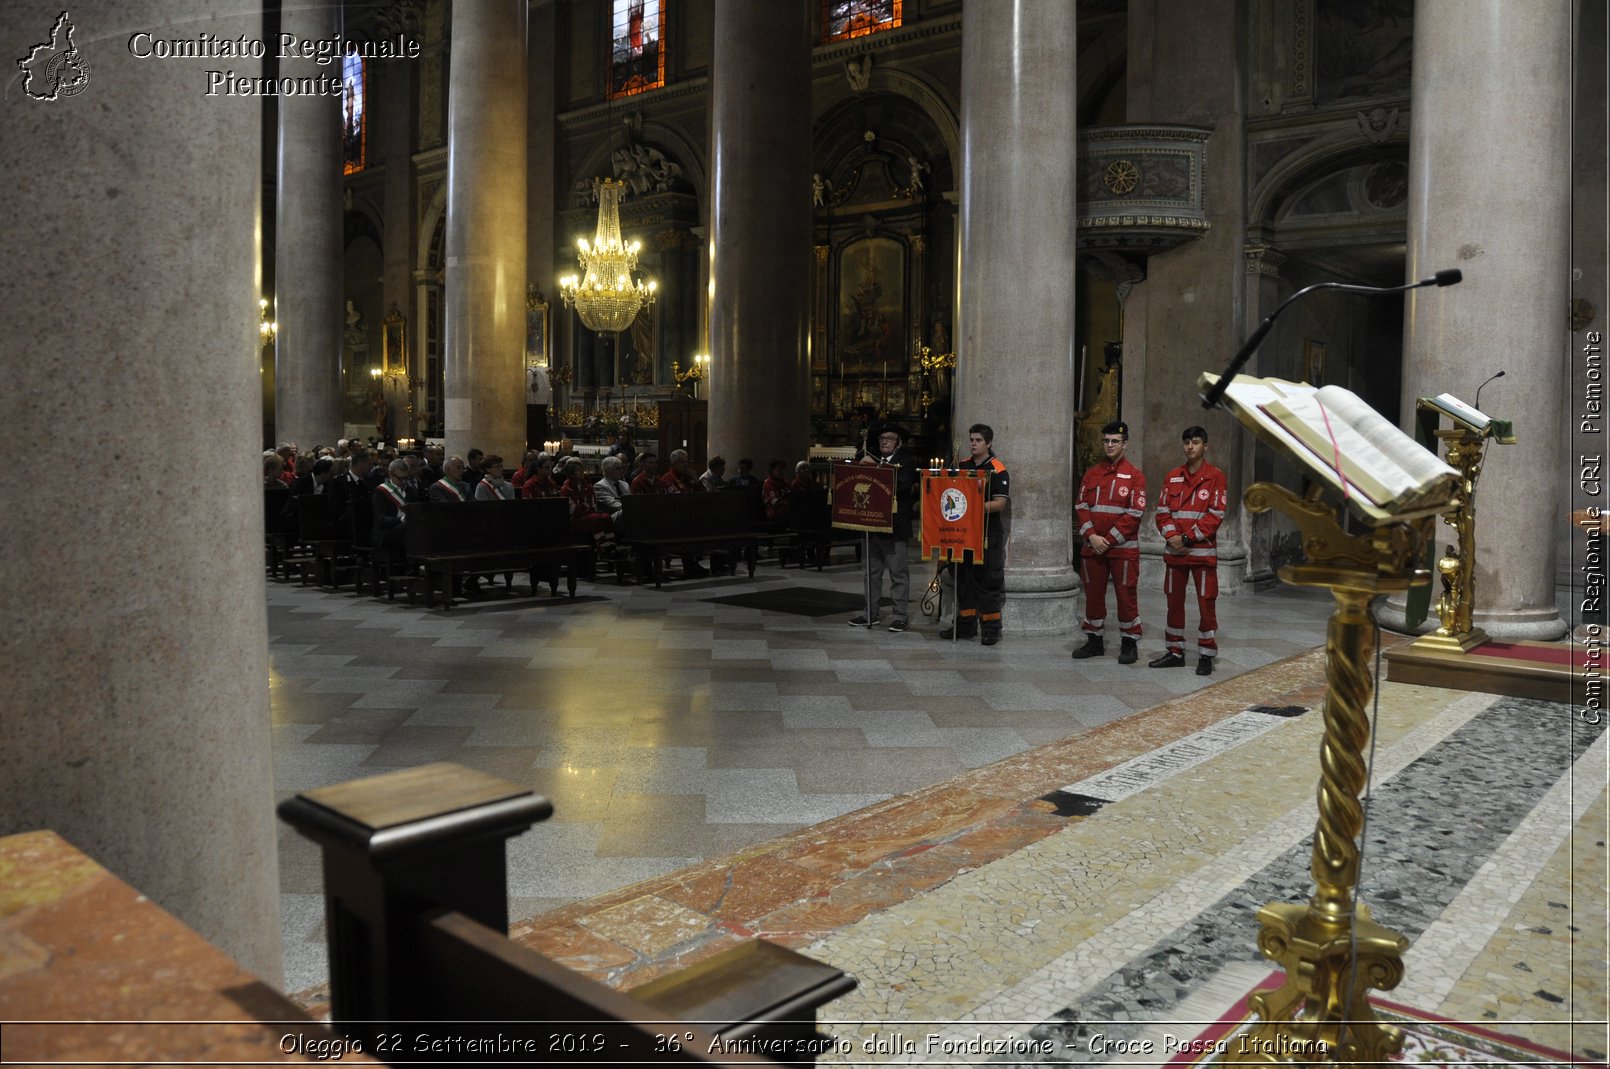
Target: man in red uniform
1112	499
1190	508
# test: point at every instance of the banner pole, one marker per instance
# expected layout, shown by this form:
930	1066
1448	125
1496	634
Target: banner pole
866	577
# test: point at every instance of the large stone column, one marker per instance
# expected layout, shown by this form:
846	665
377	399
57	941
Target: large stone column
393	134
760	230
486	229
307	246
543	130
1478	204
1186	66
1014	357
136	717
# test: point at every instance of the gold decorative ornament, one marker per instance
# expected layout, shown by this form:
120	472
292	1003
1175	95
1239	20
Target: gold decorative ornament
694	374
1121	176
606	296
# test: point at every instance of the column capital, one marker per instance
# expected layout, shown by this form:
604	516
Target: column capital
1263	259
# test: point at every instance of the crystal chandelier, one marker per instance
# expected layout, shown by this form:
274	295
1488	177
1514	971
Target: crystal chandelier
606	296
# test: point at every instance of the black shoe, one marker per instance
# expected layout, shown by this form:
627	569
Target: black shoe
991	638
1168	660
861	621
1204	666
1128	651
950	632
1094	646
898	626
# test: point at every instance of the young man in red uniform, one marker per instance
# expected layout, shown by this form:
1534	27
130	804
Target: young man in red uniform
1190	508
1112	498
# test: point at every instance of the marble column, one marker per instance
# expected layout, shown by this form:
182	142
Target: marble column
1186	65
307	247
760	231
136	714
1015	324
543	125
486	229
393	134
1497	206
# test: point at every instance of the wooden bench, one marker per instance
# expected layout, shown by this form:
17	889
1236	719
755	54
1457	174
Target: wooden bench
653	526
452	539
417	906
810	517
331	545
281	538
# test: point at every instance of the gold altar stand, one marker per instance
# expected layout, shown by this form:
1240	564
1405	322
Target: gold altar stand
1458	655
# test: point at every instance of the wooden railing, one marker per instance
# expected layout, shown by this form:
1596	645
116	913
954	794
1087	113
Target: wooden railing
421	966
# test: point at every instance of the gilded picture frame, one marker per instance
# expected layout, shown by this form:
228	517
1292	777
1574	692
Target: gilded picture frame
1314	363
537	338
394	343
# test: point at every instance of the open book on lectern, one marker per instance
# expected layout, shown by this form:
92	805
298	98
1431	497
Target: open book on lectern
1382	474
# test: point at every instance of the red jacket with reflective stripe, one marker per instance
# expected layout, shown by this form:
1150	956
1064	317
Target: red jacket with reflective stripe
1112	499
1192	506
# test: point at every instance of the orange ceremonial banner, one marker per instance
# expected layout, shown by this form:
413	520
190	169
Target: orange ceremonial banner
863	497
953	516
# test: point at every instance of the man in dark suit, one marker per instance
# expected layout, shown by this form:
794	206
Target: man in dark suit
890	552
390	508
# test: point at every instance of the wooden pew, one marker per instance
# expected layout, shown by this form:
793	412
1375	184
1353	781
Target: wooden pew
810	516
653	526
417	907
332	548
280	535
451	539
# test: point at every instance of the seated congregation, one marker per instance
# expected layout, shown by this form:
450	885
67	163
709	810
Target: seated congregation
427	523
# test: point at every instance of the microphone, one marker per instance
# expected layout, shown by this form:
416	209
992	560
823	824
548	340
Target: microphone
1482	387
1447	277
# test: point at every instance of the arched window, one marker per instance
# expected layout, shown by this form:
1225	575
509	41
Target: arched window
844	19
354	114
637	48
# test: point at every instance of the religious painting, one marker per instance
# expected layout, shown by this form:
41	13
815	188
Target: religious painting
842	396
1362	48
870	332
536	328
869	395
393	353
1314	363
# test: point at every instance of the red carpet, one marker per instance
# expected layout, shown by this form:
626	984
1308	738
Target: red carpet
1577	655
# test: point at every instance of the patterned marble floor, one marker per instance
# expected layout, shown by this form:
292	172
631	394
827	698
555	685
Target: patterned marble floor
669	727
1001	845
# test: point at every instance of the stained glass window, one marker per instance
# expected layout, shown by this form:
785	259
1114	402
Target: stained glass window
354	114
637	50
843	19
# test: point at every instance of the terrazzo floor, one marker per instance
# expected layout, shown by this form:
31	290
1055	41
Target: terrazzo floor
1003	846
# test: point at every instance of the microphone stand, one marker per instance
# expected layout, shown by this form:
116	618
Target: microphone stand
1215	394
